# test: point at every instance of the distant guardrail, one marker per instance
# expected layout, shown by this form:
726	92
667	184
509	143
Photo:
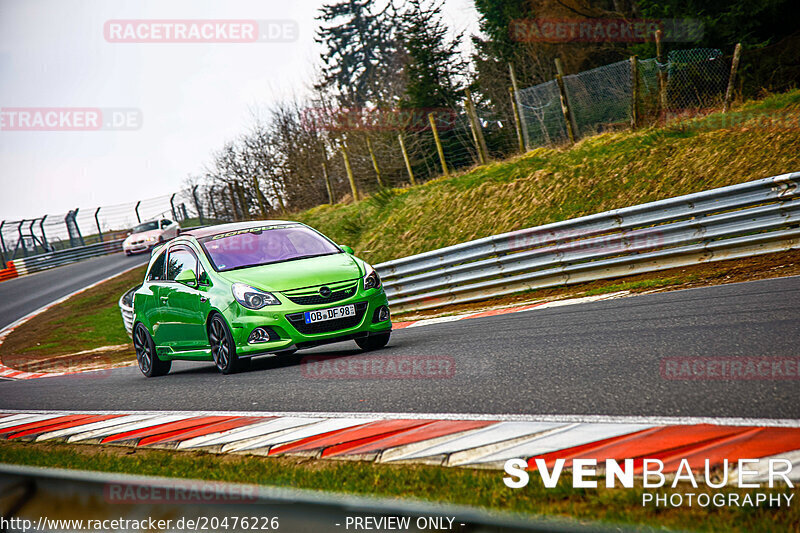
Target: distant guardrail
741	220
46	261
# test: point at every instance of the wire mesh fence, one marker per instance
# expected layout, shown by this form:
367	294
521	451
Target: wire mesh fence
370	150
84	226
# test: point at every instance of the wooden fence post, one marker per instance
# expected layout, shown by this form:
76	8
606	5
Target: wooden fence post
737	52
439	147
662	81
374	163
406	159
517	120
349	169
562	90
634	92
477	132
526	138
259	197
327	181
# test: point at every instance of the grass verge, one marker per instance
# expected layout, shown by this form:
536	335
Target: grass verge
84	323
599	173
478	488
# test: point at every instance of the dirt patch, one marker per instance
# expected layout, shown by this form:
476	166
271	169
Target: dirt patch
776	265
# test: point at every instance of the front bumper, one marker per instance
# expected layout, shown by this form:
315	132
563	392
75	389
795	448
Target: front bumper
138	248
278	320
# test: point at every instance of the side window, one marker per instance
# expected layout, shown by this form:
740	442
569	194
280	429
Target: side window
180	259
157	270
165	223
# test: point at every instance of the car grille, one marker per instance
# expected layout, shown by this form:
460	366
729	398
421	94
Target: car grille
298	321
315	298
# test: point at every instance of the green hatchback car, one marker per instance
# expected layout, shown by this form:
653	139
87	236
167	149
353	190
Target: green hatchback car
230	292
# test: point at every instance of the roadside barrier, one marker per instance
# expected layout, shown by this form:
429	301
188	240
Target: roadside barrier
37	263
741	220
8	273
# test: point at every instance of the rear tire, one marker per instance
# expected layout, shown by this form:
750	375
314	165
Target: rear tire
373	342
149	363
223	349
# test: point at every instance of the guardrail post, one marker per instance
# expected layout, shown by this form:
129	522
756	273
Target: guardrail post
139	218
34	240
172	206
406	159
97	221
525	137
737	52
439	148
197	204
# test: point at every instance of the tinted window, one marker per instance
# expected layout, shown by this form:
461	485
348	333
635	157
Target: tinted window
165	223
264	245
179	260
147	226
157	270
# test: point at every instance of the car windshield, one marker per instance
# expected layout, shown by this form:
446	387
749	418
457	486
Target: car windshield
265	245
147	226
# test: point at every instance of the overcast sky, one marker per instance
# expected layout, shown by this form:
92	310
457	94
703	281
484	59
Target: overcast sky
192	97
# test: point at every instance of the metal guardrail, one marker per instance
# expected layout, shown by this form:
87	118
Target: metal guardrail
736	221
126	308
60	495
742	220
37	263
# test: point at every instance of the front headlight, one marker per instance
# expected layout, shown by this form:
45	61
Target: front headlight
151	239
252	298
372	280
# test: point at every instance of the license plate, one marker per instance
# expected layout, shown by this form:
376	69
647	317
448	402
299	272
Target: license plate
330	314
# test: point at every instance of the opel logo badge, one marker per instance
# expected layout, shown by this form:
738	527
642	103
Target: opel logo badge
324	292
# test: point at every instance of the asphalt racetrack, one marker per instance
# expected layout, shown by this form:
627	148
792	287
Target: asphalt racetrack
602	358
23	295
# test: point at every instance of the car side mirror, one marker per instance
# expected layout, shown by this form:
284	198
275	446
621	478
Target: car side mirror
187	277
347	249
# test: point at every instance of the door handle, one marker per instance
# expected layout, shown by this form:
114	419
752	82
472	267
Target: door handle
164	299
203	299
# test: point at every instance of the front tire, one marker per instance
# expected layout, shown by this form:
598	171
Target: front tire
223	349
149	363
373	342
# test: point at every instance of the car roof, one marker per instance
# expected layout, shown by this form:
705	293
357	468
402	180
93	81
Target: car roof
199	233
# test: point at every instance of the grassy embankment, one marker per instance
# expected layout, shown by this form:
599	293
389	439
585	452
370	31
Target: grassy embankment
613	170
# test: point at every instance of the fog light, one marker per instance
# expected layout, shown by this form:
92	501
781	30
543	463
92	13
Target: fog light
381	314
259	335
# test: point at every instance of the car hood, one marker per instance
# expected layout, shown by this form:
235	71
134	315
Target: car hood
297	274
143	235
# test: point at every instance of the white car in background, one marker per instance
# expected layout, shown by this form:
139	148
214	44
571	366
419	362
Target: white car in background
149	234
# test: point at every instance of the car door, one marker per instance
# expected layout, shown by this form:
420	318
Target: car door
148	303
183	321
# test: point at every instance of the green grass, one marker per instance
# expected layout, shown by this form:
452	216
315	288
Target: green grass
478	488
545	185
84	322
641	285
